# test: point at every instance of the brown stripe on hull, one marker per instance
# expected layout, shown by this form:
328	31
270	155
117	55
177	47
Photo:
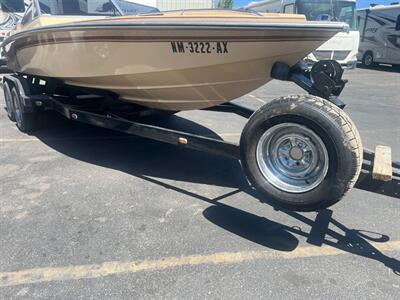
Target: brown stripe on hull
21	44
168	28
44	36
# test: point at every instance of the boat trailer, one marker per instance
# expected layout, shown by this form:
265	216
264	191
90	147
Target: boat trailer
282	141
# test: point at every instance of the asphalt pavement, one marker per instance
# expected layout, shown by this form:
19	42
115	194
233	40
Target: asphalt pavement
87	213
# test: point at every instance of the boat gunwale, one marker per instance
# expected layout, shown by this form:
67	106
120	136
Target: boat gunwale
325	27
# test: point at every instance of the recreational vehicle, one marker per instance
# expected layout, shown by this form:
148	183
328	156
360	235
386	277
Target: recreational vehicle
380	34
343	47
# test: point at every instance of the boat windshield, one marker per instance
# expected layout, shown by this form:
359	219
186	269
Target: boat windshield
7	21
3	18
79	7
328	10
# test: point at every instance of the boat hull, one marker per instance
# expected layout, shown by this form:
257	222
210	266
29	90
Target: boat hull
166	67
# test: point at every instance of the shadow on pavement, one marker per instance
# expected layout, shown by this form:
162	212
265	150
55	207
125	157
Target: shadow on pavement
140	156
346	239
149	160
387	188
283	237
366	182
251	227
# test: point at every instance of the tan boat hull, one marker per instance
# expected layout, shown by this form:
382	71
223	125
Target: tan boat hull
140	65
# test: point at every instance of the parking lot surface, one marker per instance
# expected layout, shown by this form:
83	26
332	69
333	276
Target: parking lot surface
87	213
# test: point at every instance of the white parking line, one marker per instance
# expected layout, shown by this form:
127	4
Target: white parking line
19	140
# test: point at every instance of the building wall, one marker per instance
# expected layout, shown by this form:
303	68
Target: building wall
183	4
176	4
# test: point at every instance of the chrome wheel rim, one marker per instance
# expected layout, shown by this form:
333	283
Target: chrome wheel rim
368	60
292	157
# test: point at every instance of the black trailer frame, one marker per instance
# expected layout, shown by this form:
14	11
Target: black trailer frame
35	98
36	95
162	134
75	103
106	119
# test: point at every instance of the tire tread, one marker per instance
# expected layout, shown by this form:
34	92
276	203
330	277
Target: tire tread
351	136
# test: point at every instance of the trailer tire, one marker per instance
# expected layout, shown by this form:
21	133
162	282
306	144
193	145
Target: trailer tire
368	59
8	99
301	152
26	122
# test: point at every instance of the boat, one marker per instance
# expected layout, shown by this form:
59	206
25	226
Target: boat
92	64
177	60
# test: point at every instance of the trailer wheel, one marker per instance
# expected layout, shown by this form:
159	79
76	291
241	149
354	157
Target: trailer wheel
301	152
9	102
368	59
26	122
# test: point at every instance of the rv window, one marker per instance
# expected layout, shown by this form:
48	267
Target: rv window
398	23
78	7
328	10
289	9
36	11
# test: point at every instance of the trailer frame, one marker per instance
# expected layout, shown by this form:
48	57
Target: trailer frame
107	111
